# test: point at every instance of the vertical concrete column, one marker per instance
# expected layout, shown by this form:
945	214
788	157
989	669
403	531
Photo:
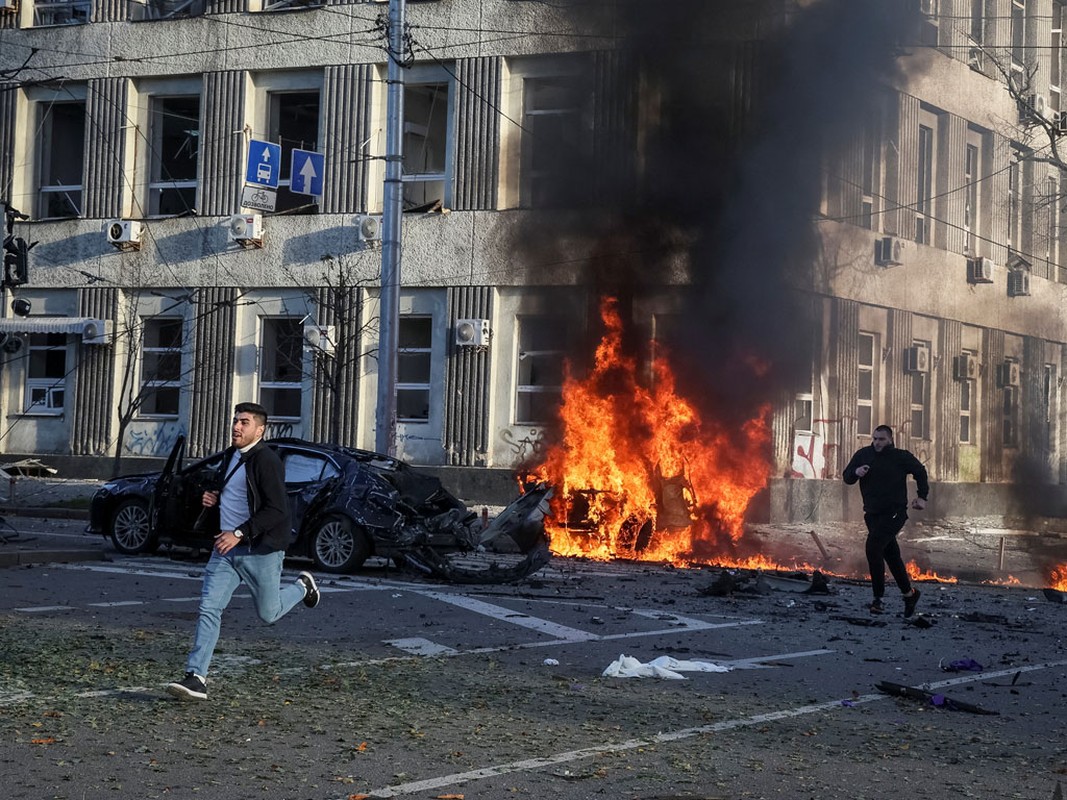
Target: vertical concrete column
478	99
952	184
844	396
467	376
107	182
346	101
94	381
8	104
897	381
946	400
211	400
222	142
991	408
998	198
335	380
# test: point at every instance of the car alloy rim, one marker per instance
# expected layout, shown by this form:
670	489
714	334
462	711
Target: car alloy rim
131	526
334	544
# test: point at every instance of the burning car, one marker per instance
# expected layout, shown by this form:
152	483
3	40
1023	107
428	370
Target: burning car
346	505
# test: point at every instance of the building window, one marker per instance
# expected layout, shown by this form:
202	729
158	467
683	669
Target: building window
165	9
427	166
924	198
281	361
555	151
1018	35
1019	188
1011	416
920	400
175	140
60	159
865	389
978	21
872	165
293	123
539	371
61	12
414	358
972	171
966	407
928	23
46	373
802	418
161	366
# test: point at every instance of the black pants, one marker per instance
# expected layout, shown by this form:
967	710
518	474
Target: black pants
883	550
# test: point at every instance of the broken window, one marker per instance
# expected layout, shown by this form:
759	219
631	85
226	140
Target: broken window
281	361
924	197
175	148
164	9
46	373
427	150
539	372
161	366
60	159
293	123
61	12
415	334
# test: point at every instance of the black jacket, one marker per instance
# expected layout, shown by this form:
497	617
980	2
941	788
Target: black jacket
268	527
885	486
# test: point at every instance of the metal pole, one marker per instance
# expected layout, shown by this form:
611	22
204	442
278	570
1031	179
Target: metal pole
392	212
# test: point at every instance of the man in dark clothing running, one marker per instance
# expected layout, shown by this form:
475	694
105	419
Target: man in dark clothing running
254	530
882	471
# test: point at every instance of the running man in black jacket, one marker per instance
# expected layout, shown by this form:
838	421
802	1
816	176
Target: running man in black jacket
882	471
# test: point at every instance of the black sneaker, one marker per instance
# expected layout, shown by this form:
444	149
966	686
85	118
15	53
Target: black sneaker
191	687
311	591
910	601
877	607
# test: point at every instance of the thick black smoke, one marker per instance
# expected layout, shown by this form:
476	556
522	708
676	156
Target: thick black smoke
741	106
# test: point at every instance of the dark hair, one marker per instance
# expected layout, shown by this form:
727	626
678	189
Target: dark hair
887	429
255	409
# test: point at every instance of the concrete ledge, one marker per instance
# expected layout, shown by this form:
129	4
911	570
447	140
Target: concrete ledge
11	556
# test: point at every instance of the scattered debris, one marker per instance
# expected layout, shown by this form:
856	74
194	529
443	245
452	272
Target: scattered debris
1052	595
819	544
663	667
28	468
1014	682
934	699
960	665
920	622
819	584
997	619
863	622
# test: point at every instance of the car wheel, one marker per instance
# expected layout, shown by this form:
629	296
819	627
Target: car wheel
131	531
339	546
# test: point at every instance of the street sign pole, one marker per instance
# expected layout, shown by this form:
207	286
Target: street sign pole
392	211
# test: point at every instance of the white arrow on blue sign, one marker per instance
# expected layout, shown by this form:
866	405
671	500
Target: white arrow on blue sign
305	175
264	163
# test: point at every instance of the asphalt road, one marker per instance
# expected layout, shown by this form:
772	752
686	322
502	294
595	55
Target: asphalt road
397	687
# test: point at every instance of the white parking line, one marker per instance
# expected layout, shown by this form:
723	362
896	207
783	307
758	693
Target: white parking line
418	646
529	764
561	632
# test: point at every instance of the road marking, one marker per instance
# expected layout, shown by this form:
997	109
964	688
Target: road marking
38	609
530	764
759	662
117	603
561	632
418	646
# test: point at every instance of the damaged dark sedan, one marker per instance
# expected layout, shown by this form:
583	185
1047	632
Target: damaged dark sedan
347	505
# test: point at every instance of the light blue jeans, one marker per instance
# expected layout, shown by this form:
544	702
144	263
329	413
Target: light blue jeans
262	574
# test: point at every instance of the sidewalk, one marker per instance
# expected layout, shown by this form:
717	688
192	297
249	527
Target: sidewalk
50	498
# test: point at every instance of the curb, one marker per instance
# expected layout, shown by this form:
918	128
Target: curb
44	511
20	558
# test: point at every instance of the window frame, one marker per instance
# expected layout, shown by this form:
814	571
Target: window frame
419	78
288	200
154	385
273	384
80	13
155	165
51	384
871	368
551	322
414	386
47	146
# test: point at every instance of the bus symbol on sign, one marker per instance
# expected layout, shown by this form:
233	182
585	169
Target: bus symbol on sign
264	164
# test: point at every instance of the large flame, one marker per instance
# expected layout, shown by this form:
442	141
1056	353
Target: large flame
1058	578
639	473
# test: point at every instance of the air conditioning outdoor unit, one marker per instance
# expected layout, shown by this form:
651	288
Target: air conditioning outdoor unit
124	233
965	367
246	229
917	359
472	332
1008	374
1018	283
369	227
889	251
1036	106
980	270
319	337
928	7
96	331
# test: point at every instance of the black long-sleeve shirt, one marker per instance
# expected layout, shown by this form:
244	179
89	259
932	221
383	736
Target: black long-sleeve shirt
885	486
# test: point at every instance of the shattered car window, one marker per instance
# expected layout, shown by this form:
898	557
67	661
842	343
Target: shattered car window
304	468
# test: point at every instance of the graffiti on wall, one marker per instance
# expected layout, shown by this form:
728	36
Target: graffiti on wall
525	445
813	457
279	430
152	439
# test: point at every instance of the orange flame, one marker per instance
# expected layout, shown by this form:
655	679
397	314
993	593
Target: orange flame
638	473
917	573
1058	578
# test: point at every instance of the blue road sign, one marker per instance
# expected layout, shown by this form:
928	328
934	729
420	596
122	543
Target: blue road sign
305	176
264	163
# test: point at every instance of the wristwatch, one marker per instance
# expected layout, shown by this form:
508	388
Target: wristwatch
239	533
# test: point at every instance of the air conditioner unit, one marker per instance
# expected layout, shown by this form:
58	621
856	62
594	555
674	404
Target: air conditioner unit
472	332
320	337
980	270
1008	374
889	251
246	229
124	233
928	7
369	227
1018	283
96	331
1035	107
917	359
965	367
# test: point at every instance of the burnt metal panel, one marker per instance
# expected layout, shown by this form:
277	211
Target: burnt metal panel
105	182
346	100
211	401
478	91
335	378
222	142
467	374
94	387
